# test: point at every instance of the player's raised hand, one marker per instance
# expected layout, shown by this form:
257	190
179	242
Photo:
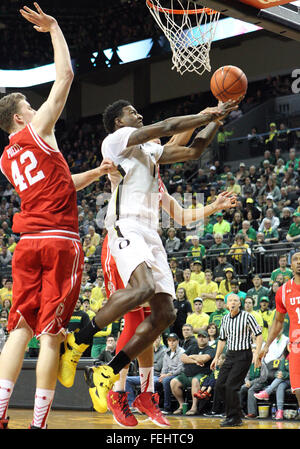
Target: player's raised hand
226	200
42	22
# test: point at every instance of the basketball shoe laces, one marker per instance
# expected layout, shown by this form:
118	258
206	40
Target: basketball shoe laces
123	403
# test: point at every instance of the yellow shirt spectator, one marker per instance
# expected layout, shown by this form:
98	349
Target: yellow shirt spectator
208	292
198	319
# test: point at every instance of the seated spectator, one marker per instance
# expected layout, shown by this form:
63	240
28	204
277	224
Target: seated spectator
285	221
206	230
273	219
248	232
183	309
279	385
225	285
293	234
251	207
97	295
11	245
270	234
236	224
283	269
196	272
188	336
232	185
272	294
239	253
95	238
270	204
208	292
198	319
173	243
172	367
216	316
197	250
88	248
99	341
271	188
177	272
235	285
222	226
6	291
79	320
219	246
219	271
109	352
257	291
255	380
213	335
212	195
133	382
6	256
196	367
192	288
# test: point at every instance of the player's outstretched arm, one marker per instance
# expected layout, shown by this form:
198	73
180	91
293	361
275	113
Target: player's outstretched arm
184	216
82	180
176	125
48	114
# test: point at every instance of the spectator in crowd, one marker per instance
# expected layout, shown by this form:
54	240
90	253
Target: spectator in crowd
217	316
208	292
198	319
109	352
293	234
219	246
196	272
133	382
177	272
255	380
278	385
97	296
285	222
172	367
239	253
6	256
236	224
225	285
272	293
275	222
248	232
235	285
197	250
172	243
95	238
79	320
6	292
270	234
222	226
213	334
283	269
232	185
188	336
99	341
257	291
183	309
249	307
267	315
191	288
88	248
219	273
196	367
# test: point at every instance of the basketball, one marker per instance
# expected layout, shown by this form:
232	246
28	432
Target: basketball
228	83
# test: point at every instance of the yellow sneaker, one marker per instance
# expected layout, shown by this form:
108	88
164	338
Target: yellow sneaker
103	379
68	361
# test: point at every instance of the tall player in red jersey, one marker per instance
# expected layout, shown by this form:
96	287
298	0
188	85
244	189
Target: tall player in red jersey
288	301
47	262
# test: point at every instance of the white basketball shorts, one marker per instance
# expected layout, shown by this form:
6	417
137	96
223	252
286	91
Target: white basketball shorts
133	243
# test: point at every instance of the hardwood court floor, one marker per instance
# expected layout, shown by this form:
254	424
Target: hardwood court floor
66	419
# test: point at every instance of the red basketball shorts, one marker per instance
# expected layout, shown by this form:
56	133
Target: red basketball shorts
294	366
46	272
112	279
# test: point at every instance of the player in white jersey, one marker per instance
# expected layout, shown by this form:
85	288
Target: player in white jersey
132	221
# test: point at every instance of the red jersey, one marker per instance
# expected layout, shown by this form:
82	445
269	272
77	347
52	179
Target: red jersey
288	301
42	179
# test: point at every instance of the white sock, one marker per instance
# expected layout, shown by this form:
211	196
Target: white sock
120	385
147	379
42	406
6	389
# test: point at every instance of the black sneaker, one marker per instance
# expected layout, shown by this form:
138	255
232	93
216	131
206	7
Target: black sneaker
214	415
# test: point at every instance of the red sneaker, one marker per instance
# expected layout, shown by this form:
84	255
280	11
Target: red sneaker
118	404
4	423
147	403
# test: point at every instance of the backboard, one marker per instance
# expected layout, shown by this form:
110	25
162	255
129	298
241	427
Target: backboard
282	19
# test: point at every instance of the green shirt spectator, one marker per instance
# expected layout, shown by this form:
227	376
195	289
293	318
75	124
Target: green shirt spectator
294	229
257	292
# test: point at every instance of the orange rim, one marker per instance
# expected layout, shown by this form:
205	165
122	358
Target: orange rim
181	11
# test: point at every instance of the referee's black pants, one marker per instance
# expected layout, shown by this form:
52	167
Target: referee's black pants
230	379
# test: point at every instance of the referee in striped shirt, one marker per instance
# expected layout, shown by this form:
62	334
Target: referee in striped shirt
236	329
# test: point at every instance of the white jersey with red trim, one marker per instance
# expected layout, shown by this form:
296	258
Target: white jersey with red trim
42	179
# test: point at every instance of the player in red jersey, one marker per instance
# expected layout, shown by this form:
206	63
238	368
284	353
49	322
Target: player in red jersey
48	259
288	301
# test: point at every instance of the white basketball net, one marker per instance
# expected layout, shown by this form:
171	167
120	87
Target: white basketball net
190	34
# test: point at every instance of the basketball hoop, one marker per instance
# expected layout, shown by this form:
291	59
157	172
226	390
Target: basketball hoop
189	30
